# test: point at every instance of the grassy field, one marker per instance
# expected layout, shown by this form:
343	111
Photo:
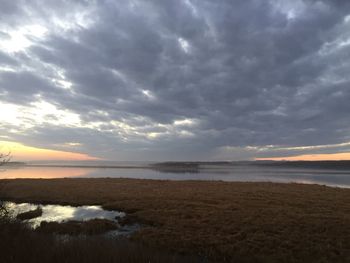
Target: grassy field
19	244
222	221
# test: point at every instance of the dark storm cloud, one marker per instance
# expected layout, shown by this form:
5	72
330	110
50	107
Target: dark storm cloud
245	73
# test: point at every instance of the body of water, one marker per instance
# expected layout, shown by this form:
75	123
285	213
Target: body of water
66	213
239	173
61	213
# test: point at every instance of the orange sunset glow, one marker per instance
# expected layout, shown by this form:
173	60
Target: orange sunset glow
311	157
47	173
20	152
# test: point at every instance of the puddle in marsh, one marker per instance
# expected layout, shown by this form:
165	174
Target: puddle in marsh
63	213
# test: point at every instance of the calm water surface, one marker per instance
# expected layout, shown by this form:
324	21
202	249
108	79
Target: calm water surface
60	213
240	173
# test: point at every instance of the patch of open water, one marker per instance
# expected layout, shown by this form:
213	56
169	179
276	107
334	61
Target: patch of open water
65	213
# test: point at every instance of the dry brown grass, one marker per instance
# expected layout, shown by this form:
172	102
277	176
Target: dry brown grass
30	214
240	222
19	244
90	227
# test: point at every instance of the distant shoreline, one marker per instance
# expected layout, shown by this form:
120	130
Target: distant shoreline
341	165
86	166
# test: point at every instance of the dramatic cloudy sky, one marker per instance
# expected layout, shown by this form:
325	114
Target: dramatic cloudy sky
176	79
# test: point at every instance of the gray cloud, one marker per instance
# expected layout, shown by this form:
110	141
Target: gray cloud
6	59
248	73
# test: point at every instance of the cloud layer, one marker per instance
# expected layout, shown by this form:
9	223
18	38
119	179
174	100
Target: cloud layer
172	80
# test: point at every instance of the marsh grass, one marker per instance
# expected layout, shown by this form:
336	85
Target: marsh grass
30	214
226	222
90	227
19	244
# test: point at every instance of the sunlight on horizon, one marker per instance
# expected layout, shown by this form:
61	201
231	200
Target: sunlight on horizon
20	152
310	157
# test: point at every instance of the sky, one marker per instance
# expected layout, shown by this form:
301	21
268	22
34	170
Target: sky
175	79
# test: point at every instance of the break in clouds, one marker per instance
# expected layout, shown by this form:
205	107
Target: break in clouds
176	80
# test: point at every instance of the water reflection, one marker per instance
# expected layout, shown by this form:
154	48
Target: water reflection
240	173
59	213
42	172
